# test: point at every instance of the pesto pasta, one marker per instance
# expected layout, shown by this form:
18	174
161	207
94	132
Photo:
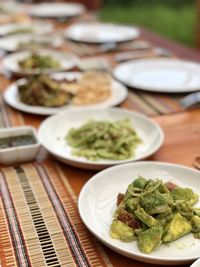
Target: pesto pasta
152	212
97	140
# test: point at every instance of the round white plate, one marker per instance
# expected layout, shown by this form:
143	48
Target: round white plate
11	43
53	138
196	263
55	10
101	33
118	95
160	75
10	62
97	203
36	27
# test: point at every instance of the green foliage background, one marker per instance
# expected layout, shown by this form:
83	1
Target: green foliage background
175	19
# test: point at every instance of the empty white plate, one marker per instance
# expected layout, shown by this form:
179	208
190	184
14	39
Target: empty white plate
30	28
97	203
101	33
55	10
11	62
160	75
53	138
118	94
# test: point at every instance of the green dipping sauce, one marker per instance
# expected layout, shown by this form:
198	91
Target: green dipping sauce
16	141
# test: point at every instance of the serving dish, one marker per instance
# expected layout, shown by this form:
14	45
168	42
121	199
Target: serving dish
53	138
26	27
160	75
96	208
22	152
11	62
12	43
11	96
101	33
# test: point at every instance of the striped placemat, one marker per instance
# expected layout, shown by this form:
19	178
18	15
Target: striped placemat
153	104
8	116
39	220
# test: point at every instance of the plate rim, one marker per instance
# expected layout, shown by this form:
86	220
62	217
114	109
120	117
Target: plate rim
98	165
135	29
21	72
138	256
53	111
151	88
31	10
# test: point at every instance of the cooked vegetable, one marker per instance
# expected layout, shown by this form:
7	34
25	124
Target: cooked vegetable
43	91
178	227
21	30
34	43
104	140
36	61
122	231
149	239
157	212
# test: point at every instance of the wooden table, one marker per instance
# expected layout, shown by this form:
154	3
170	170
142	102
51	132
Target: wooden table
181	145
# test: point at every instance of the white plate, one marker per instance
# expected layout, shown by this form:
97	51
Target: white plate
55	10
160	75
97	202
11	43
196	263
10	62
36	27
118	95
52	138
101	33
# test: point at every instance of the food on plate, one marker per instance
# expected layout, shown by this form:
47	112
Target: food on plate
21	30
45	90
33	43
93	87
37	61
95	140
152	213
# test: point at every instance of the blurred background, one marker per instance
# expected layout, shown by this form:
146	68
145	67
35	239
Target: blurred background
175	19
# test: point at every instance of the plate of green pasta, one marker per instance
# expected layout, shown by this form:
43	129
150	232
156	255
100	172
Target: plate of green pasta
148	211
99	138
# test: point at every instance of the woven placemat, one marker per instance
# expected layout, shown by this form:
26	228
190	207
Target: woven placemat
8	116
153	104
39	220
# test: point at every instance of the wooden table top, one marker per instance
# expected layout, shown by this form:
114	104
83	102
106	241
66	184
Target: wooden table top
181	144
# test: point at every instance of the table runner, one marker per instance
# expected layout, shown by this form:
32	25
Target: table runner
39	220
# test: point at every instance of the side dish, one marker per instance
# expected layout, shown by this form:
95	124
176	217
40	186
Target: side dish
21	30
15	141
45	90
152	213
36	61
34	43
97	140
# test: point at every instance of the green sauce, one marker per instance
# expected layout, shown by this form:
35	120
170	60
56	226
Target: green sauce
16	141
